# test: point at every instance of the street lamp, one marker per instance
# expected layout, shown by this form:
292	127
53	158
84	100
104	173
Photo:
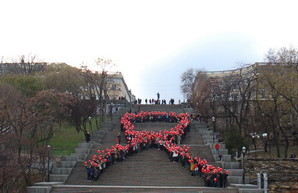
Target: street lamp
243	153
90	123
213	121
111	111
48	176
264	135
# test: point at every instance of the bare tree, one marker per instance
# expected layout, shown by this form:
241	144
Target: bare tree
27	125
204	96
276	108
187	80
23	65
99	84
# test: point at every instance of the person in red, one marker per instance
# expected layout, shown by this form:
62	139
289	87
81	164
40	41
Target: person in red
217	146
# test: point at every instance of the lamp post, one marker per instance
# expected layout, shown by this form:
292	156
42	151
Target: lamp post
264	135
255	146
90	123
213	121
48	169
243	153
111	111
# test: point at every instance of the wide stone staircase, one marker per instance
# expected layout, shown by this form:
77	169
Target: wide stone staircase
147	171
235	177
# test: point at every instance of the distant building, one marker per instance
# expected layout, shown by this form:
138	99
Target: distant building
216	79
118	89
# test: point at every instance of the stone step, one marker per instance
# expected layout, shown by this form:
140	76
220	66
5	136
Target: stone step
58	177
141	189
221	151
98	135
82	150
222	145
236	172
72	157
96	140
206	132
100	132
208	137
208	141
39	189
47	183
200	123
237	179
203	152
108	124
85	145
246	186
149	167
246	190
231	165
225	158
216	164
66	164
81	156
57	170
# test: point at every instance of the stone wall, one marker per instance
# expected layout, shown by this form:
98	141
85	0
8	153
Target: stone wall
282	174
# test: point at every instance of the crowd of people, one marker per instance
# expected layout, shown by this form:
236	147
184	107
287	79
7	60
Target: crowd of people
156	101
165	140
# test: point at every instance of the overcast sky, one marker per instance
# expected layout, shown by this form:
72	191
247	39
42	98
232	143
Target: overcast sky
151	42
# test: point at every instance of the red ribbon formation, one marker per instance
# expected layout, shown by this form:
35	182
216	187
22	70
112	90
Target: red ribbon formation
164	137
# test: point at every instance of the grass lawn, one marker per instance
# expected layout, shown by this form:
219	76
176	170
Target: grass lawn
66	140
273	153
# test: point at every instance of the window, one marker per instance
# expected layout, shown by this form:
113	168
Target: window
114	87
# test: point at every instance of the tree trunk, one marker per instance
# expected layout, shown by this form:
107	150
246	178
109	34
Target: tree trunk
277	144
286	148
96	123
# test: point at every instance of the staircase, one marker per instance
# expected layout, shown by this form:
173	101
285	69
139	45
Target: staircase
235	178
148	171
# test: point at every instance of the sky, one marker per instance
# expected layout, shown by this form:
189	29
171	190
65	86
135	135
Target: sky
151	42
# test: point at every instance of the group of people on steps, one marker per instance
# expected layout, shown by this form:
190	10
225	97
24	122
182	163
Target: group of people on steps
165	140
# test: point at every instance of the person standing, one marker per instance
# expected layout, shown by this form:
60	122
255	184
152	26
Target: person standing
87	137
119	138
217	146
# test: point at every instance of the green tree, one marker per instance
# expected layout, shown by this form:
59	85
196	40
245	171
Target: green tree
29	85
64	78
